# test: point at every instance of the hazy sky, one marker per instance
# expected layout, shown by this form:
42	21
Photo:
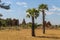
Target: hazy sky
19	7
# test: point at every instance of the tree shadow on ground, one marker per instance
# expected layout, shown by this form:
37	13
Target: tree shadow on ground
48	37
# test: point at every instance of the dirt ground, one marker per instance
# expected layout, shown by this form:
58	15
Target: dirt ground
25	34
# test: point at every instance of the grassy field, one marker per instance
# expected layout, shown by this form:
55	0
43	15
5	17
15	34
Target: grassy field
25	34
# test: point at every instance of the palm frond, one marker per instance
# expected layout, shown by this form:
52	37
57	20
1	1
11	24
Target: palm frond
28	16
43	6
33	12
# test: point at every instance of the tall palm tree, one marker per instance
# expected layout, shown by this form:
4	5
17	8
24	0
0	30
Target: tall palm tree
33	13
42	8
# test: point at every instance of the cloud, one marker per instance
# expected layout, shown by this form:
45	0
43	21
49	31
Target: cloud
49	13
55	8
9	10
21	3
24	4
9	2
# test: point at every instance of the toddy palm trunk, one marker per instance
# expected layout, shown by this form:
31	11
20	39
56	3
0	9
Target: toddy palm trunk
43	21
33	29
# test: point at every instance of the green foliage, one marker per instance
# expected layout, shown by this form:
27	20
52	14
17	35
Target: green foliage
42	7
32	13
4	23
39	25
8	22
30	25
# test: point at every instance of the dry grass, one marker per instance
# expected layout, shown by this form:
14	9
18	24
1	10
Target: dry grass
25	34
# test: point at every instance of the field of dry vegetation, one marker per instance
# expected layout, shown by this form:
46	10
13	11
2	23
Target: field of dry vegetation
25	34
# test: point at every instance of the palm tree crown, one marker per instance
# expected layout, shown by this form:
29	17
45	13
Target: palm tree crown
43	7
32	12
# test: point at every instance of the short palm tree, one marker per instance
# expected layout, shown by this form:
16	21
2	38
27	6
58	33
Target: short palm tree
42	8
33	13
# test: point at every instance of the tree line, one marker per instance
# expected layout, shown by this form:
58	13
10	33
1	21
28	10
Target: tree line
9	22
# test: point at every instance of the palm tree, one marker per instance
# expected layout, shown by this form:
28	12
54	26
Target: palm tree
42	8
33	13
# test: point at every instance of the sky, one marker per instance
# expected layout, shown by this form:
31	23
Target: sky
18	10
